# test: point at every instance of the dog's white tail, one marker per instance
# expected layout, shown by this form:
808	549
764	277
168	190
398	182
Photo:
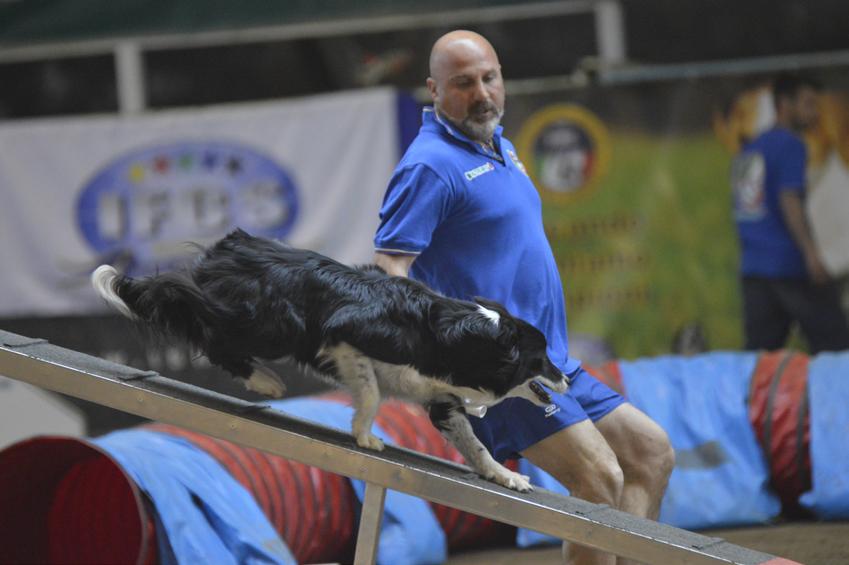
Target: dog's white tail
103	279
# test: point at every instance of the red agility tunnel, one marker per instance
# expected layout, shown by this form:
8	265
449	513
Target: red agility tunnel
778	410
65	500
74	504
314	511
609	374
77	505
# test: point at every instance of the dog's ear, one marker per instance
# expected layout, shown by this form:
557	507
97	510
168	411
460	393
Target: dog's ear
452	324
508	330
492	305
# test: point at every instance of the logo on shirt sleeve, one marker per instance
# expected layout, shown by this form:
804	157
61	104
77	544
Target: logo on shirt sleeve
516	161
478	171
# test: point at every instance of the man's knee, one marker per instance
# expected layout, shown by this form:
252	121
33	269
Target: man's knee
664	460
602	484
652	461
583	461
614	481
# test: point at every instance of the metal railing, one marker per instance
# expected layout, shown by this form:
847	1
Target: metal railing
153	396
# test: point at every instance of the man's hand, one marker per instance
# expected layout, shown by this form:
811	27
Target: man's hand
793	209
816	269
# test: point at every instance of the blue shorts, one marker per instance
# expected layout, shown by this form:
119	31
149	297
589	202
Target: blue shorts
515	424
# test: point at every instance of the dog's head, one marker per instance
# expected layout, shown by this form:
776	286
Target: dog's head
490	350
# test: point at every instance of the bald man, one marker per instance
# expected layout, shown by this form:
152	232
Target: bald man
461	215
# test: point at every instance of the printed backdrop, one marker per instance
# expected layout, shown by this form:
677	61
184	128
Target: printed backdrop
637	202
132	191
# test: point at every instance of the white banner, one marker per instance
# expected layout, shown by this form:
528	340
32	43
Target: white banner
133	190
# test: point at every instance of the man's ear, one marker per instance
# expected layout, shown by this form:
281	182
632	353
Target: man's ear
431	88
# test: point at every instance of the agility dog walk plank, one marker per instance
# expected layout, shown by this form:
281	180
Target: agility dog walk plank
154	396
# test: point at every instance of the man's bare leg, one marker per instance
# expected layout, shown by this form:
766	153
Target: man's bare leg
645	456
579	457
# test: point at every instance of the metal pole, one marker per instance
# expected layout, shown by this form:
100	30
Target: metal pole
370	519
129	70
305	29
610	31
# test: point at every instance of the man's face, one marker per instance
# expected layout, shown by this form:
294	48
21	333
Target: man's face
469	91
805	108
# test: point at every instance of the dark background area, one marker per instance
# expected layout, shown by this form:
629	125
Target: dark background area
657	32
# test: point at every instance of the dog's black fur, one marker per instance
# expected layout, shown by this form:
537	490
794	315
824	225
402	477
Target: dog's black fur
249	299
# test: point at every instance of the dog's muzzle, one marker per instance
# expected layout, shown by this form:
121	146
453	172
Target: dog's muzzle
541	393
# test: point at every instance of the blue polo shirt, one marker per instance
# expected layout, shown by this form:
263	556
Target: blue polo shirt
473	219
774	162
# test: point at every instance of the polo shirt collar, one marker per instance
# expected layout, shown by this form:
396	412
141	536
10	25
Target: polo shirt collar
433	121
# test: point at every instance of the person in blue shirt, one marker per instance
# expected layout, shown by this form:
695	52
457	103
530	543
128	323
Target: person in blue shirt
461	215
783	276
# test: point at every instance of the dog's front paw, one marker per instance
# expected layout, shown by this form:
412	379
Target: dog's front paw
370	441
507	478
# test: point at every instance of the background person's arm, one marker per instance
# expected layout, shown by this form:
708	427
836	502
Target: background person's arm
396	265
793	210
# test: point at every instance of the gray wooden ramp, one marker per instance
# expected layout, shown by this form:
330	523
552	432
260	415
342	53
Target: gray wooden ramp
154	396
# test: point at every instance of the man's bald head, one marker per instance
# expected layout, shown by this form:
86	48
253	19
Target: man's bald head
458	44
465	83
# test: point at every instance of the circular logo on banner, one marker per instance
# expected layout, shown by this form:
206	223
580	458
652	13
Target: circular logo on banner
566	149
141	208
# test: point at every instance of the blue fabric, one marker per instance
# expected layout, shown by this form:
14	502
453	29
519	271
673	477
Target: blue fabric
410	534
721	476
772	163
207	515
828	391
474	220
586	397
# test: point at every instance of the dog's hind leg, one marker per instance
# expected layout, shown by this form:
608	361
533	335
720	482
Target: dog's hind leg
449	418
356	372
253	375
266	382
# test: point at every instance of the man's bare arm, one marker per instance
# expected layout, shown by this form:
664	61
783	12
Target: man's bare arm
396	265
794	215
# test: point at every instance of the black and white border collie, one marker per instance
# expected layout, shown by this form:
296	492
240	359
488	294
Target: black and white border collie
247	300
